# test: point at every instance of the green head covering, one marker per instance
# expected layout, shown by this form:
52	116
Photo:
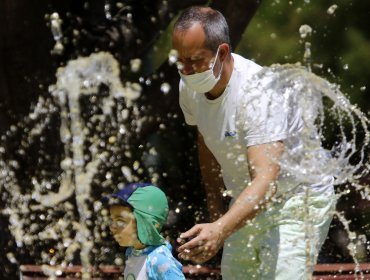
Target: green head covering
150	210
150	207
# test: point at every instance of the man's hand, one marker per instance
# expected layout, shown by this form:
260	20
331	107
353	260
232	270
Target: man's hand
205	241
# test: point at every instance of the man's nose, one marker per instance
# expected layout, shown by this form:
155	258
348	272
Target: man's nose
187	69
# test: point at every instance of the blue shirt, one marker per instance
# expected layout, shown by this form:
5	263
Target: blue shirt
152	263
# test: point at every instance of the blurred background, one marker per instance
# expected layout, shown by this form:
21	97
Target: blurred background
38	37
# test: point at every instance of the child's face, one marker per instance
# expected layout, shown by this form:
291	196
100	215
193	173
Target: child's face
123	227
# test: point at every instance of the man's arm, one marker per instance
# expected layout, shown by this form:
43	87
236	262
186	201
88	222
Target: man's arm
212	181
209	238
264	171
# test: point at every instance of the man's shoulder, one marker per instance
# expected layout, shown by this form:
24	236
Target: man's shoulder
246	66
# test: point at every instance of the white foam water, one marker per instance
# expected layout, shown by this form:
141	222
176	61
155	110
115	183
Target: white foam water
80	77
326	111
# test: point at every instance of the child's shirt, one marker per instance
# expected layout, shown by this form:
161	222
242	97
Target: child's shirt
152	263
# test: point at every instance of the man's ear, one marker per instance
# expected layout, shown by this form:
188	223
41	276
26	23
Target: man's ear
224	51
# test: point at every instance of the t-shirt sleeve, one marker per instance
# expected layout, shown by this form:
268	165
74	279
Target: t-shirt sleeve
268	115
161	266
185	105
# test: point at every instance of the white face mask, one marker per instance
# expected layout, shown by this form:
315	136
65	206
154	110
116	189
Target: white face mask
202	82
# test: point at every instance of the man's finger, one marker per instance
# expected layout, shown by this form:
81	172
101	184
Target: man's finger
193	254
200	257
191	232
195	251
190	245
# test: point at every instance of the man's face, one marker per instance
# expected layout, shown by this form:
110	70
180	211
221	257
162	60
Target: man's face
193	57
123	226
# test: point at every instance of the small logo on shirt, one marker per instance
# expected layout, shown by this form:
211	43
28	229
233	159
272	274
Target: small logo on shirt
230	133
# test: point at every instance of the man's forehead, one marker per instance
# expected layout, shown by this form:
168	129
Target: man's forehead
189	41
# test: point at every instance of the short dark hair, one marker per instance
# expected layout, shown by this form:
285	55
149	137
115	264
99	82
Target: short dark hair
212	21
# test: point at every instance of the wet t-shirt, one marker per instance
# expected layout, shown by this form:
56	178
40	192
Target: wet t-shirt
249	112
216	121
152	263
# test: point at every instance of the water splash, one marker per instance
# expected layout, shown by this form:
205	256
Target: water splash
56	30
107	10
305	31
325	111
322	101
84	154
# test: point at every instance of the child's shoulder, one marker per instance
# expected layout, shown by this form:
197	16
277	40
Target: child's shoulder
161	264
161	253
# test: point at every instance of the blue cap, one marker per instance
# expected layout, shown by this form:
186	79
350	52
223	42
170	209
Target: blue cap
122	196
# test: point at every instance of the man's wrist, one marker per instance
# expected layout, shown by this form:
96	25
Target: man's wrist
223	228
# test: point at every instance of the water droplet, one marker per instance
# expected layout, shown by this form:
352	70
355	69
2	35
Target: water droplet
133	91
118	261
136	165
241	157
107	10
135	64
165	88
112	139
108	175
172	56
305	30
331	9
153	151
127	173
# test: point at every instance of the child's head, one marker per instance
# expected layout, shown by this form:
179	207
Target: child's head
138	213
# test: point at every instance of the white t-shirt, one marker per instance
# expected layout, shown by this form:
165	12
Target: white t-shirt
135	268
246	114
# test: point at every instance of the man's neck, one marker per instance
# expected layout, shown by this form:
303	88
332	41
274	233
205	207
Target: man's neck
220	87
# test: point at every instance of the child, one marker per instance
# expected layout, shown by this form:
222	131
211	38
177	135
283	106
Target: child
138	213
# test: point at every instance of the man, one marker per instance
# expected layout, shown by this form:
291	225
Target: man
246	130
